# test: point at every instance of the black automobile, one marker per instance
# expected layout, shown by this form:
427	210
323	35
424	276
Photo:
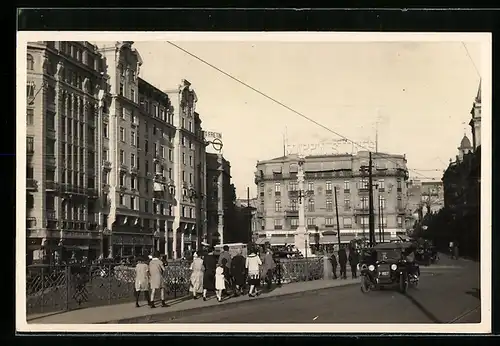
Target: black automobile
386	265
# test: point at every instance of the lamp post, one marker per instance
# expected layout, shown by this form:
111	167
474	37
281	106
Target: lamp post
300	233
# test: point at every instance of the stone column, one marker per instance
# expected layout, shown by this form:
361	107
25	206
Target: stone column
300	233
166	238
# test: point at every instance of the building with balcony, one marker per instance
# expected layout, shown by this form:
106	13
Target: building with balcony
279	197
66	88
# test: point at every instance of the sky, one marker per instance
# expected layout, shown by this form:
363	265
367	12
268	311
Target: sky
421	92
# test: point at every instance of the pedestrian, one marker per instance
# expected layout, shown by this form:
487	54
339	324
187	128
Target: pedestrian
343	263
210	265
141	281
353	262
253	264
219	281
333	261
268	267
451	248
238	272
196	280
156	271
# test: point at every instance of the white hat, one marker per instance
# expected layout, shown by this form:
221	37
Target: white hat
150	257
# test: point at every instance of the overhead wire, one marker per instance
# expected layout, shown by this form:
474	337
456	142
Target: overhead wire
289	108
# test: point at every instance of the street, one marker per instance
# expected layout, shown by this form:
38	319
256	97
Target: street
443	296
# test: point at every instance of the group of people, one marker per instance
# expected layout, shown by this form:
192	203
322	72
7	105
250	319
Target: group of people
149	279
341	259
210	274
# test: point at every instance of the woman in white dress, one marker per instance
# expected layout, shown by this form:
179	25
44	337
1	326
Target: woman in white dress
253	264
196	276
220	284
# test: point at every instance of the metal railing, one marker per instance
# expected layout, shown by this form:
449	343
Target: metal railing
60	288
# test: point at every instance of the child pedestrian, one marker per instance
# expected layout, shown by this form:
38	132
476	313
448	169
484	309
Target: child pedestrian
219	281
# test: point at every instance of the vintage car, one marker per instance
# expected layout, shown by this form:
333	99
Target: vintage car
385	265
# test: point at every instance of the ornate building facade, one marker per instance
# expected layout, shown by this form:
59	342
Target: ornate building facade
278	198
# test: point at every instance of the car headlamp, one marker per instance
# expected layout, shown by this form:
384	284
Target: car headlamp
371	267
394	266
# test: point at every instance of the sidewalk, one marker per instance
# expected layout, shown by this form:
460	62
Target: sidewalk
128	313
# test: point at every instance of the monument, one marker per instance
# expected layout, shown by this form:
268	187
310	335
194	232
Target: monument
301	237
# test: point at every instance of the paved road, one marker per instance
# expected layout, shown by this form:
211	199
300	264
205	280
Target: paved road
443	296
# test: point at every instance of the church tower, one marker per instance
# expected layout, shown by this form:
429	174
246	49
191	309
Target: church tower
475	122
464	148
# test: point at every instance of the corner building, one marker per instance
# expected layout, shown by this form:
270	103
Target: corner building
278	197
66	87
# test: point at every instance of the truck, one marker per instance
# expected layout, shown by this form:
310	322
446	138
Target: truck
234	249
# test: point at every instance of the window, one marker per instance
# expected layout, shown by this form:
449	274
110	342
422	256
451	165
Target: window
311	221
329	204
146	146
122	157
191	145
132	160
121	200
30	89
184	176
347	186
105	130
106	177
170	173
162	114
293	205
278	224
155	111
381	185
310	186
294	223
190	126
122	179
171	155
277	188
329	222
133	183
277	206
364	221
310	206
30	62
384	221
122	134
183	123
183	140
30	145
347	222
155	149
363	184
121	89
381	201
400	202
133	138
154	130
364	202
400	221
146	206
183	158
347	203
191	160
132	202
30	114
190	178
105	155
132	95
329	186
162	149
399	185
293	186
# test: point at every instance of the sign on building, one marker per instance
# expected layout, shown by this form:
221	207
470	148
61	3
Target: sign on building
215	141
328	147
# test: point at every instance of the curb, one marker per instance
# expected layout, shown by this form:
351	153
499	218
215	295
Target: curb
148	318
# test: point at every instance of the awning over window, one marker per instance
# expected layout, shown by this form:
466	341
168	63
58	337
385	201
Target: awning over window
277	169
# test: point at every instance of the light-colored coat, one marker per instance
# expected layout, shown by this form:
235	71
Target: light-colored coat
197	275
253	264
156	270
219	279
141	277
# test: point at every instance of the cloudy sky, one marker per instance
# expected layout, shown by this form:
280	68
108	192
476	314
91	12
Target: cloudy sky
421	91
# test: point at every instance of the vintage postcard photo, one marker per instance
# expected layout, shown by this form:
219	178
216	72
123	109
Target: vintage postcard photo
253	182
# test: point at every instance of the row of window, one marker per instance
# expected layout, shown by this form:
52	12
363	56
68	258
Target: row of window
363	184
331	222
364	204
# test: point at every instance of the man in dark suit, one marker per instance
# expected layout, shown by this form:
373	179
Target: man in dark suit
343	263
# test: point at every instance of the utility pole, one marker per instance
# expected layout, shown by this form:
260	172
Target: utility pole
199	196
379	221
337	214
382	222
249	215
371	220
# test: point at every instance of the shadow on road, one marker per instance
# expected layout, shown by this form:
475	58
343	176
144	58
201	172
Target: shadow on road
423	309
476	293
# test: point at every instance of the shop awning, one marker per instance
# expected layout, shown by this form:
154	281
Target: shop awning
328	239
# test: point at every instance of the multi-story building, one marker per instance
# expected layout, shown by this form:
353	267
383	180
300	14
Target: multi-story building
189	170
279	197
66	97
218	170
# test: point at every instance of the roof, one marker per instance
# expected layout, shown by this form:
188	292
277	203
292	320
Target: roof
465	143
478	96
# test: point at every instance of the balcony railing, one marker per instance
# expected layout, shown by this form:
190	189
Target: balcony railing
329	191
277	227
291	213
71	189
92	192
31	184
311	226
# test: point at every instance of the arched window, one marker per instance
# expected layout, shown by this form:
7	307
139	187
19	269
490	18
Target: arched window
30	62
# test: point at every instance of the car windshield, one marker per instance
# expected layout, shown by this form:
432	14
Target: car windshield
388	254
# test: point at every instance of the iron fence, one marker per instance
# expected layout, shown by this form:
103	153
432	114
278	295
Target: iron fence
68	287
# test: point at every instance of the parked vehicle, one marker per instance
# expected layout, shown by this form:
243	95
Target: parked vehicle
386	265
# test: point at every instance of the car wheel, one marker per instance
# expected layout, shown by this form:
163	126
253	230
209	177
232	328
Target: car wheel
403	283
365	285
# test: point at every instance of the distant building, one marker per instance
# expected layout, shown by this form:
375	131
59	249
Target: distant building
475	122
277	209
